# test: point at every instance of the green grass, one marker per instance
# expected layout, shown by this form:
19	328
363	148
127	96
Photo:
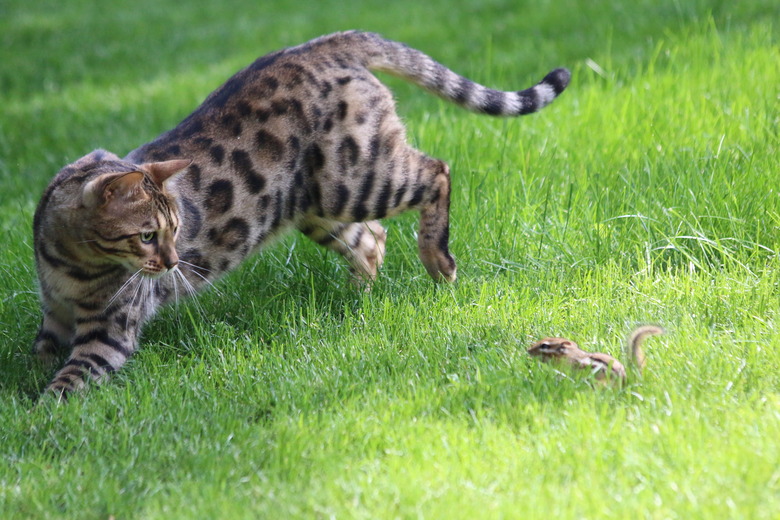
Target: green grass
647	193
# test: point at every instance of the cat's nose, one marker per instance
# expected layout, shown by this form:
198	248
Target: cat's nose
170	260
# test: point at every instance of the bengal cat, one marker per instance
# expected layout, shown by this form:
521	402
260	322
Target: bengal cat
303	138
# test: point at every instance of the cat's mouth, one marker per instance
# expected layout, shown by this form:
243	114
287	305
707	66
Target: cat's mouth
157	267
155	274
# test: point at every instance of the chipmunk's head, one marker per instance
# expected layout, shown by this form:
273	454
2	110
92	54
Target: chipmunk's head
553	348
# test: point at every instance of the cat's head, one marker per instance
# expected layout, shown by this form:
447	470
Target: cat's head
121	212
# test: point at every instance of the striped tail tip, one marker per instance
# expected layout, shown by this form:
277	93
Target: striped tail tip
558	80
543	93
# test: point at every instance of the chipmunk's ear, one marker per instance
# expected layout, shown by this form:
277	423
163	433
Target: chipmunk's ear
565	345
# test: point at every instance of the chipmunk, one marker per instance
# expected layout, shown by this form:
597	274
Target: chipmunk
603	367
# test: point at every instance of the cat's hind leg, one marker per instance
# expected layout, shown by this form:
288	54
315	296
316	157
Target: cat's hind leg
432	198
362	244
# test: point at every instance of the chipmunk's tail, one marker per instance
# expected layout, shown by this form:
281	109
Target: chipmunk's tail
635	340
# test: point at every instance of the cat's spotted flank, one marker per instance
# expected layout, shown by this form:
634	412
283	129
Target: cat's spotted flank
303	138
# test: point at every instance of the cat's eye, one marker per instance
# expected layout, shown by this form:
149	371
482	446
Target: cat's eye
148	236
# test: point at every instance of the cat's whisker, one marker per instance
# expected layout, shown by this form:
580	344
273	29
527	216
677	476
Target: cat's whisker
131	307
193	266
193	270
175	285
149	289
175	274
187	285
191	290
124	286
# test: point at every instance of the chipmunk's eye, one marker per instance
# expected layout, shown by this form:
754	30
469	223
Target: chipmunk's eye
147	237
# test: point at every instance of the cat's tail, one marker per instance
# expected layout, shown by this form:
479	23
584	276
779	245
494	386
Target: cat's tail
410	64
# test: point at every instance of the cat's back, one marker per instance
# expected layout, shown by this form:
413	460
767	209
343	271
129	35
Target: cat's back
319	91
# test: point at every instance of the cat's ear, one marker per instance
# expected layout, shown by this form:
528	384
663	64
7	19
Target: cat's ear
162	171
109	187
94	157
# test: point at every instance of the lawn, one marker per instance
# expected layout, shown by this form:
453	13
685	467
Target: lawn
646	194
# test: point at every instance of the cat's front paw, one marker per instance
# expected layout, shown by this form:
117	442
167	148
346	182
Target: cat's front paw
56	391
47	349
